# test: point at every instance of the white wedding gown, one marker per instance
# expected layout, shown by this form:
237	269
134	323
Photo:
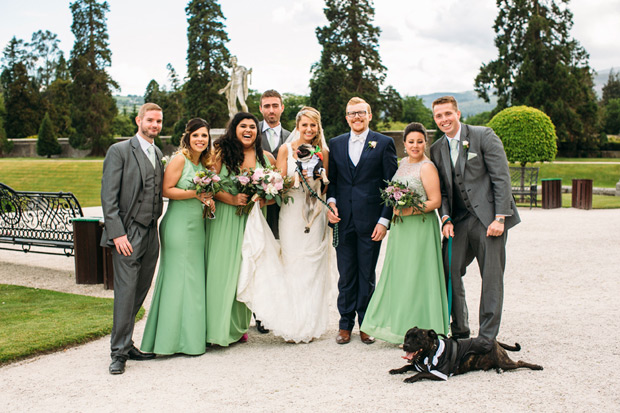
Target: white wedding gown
288	284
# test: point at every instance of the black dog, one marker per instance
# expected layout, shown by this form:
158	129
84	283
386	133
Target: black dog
438	358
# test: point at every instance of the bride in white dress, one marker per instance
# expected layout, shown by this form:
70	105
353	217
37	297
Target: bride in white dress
288	285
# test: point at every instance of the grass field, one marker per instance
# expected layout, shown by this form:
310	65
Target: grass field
83	176
34	321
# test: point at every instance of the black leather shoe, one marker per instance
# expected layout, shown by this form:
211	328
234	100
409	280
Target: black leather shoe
117	366
259	326
135	354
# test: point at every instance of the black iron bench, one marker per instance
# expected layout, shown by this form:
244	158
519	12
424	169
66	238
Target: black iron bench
524	182
38	219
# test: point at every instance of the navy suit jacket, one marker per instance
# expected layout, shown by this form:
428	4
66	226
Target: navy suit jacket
358	191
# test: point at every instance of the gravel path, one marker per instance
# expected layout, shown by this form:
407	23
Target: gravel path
561	305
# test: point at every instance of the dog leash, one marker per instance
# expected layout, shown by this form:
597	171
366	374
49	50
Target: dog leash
314	194
449	286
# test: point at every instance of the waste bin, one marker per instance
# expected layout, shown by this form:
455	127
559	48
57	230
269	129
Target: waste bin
582	194
88	253
551	193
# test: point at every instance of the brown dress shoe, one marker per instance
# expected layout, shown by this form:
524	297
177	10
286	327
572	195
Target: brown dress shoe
344	336
366	339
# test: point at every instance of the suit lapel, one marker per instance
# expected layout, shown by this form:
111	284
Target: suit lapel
462	150
446	161
140	157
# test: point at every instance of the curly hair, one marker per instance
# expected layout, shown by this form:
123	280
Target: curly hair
415	127
206	158
229	149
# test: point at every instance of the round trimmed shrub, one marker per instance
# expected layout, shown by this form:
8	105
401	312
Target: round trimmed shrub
527	133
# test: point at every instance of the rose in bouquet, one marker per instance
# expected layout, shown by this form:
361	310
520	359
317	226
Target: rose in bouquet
208	182
399	196
240	184
270	184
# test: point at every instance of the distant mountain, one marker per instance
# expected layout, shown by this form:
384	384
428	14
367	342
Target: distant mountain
470	104
127	104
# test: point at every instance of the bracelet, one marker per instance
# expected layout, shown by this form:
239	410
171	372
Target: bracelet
446	221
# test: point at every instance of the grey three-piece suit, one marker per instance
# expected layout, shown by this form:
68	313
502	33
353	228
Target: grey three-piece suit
131	198
472	193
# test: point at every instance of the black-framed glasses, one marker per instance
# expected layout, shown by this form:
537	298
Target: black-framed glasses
360	113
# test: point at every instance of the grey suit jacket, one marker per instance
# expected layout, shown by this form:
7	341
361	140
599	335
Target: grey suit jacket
265	140
124	170
486	178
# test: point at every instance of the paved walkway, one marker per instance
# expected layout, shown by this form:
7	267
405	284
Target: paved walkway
561	304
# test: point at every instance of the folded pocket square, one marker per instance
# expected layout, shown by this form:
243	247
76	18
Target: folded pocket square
471	155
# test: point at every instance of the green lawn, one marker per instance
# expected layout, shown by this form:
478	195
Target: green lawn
82	177
603	176
598	202
34	321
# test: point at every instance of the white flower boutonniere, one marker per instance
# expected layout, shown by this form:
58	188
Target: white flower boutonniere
466	145
164	161
372	144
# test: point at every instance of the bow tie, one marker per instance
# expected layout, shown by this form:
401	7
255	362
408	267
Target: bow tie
357	138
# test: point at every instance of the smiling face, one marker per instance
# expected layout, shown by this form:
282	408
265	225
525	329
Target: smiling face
447	118
307	129
415	145
150	124
199	140
358	117
246	132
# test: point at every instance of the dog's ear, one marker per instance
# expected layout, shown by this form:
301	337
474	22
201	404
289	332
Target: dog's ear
432	334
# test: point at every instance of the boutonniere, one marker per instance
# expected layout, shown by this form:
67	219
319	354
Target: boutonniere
372	144
466	145
164	161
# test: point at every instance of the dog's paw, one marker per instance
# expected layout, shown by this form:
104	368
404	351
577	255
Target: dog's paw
395	371
411	379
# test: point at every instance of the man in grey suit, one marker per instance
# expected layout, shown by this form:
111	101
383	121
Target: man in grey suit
131	198
477	209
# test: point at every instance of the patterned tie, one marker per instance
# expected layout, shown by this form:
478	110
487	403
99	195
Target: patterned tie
151	154
454	150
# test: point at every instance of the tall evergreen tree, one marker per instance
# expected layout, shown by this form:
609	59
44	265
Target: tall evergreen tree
22	102
44	57
47	143
540	65
611	89
207	59
350	64
94	107
5	144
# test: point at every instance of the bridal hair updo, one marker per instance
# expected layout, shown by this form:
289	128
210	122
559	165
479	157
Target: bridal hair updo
315	116
184	146
415	127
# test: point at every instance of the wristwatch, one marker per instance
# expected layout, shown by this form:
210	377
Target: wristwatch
501	220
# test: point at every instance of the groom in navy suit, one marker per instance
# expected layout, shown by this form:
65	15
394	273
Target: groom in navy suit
359	164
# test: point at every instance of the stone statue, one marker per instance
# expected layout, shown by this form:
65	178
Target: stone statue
237	87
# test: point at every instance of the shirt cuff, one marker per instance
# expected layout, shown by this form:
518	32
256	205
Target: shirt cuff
330	200
384	221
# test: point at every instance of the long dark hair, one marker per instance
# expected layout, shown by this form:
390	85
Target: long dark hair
184	147
230	150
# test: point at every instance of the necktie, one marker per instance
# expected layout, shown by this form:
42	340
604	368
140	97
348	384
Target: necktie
454	150
151	153
271	134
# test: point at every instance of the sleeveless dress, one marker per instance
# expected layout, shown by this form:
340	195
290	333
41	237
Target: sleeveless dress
411	291
227	318
288	285
176	319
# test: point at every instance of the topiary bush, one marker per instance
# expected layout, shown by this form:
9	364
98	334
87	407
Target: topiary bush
47	144
527	133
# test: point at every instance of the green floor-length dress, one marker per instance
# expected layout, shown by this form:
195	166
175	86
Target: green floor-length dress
411	290
176	319
227	318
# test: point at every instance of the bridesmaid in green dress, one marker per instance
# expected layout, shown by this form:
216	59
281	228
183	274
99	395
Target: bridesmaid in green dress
237	150
411	291
176	319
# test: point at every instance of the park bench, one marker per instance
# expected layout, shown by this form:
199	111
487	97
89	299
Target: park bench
524	183
38	219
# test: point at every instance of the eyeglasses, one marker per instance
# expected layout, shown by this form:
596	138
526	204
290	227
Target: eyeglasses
360	113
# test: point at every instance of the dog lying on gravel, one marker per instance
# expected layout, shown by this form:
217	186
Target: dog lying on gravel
437	358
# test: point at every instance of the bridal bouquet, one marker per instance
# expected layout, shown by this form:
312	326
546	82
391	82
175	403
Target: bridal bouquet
267	183
399	196
207	182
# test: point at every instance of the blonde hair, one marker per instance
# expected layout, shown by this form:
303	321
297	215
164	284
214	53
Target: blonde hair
355	100
147	107
315	116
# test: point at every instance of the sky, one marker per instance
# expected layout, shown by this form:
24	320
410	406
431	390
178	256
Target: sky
427	46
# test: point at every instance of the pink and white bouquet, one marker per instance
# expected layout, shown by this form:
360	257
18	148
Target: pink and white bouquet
207	181
399	196
267	183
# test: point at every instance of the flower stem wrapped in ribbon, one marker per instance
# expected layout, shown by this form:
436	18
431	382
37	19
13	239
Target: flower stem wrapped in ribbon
207	182
399	196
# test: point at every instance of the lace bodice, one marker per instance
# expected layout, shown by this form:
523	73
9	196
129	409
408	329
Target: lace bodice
409	174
